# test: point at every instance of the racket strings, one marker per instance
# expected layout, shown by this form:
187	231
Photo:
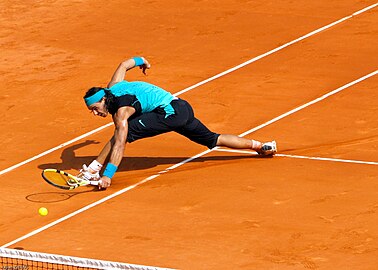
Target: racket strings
60	179
72	182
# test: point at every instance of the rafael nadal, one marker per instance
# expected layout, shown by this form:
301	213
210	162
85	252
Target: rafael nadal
140	110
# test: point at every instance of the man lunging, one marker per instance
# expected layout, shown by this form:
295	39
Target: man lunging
140	110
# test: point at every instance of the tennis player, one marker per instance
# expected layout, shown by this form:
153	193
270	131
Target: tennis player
142	110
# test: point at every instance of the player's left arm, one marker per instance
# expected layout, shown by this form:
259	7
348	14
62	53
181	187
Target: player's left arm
120	119
119	74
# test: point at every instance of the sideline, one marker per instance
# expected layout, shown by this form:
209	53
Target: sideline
199	84
302	157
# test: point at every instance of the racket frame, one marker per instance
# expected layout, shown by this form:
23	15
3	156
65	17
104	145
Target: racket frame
70	186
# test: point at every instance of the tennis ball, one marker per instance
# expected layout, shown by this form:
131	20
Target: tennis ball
43	211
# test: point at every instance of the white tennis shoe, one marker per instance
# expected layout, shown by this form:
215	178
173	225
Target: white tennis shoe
268	149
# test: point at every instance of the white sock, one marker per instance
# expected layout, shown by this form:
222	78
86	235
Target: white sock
256	145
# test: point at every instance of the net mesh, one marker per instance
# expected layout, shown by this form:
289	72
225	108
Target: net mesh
12	259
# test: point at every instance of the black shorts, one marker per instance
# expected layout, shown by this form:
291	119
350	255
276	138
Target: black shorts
183	122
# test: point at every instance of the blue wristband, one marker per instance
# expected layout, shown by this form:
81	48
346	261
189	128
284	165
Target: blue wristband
110	170
138	61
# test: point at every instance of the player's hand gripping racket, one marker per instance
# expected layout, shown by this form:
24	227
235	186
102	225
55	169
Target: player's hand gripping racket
63	180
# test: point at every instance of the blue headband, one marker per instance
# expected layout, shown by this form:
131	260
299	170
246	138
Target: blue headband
94	98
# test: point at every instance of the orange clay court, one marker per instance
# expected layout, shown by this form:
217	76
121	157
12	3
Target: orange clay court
313	206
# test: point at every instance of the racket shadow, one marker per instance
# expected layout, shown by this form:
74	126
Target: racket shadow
56	196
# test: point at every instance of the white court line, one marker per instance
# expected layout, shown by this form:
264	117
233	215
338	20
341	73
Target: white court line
301	157
278	48
160	173
201	83
311	102
330	159
55	148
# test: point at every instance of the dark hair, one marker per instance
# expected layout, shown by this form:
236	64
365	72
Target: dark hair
109	96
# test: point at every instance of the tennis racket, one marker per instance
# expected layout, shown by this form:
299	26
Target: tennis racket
63	180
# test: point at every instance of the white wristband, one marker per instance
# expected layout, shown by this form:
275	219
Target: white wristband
95	166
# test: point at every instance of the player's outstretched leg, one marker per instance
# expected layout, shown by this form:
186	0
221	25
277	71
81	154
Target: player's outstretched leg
236	142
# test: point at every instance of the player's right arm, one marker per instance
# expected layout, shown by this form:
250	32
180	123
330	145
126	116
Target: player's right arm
119	74
118	142
105	151
91	172
113	149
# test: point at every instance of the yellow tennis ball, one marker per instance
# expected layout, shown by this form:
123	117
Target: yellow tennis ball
43	211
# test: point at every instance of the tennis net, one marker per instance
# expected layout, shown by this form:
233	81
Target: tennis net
13	259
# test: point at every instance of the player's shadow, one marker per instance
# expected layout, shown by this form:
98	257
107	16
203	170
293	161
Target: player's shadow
69	160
